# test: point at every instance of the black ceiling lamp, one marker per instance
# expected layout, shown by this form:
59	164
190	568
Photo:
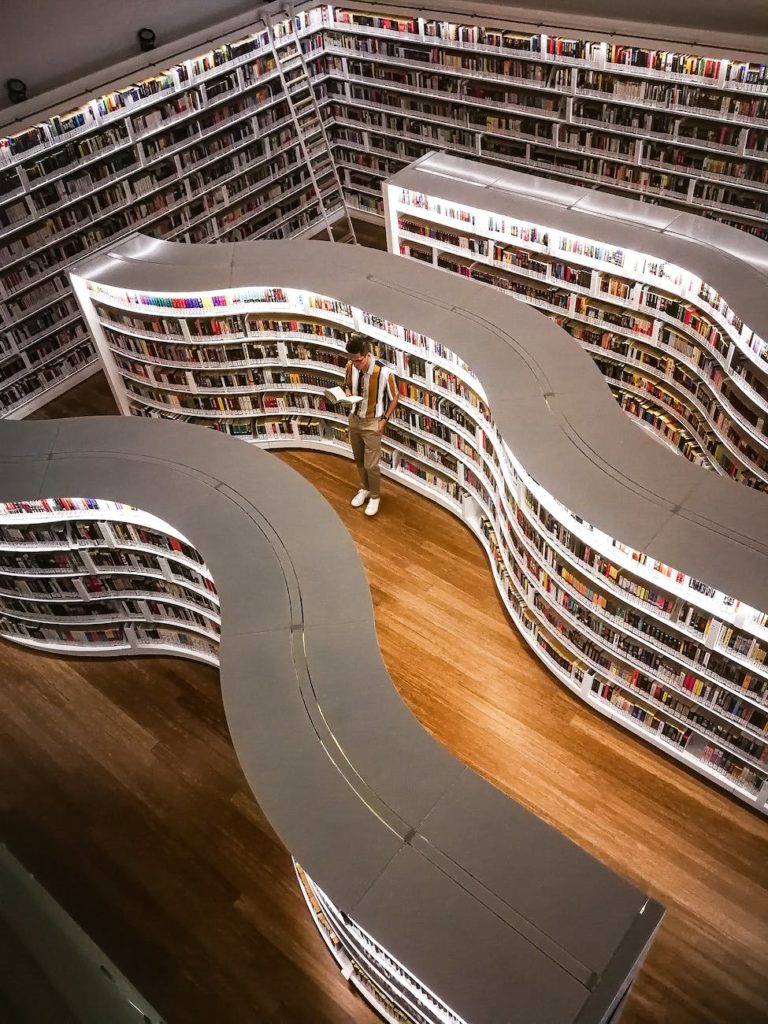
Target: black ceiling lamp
16	89
147	39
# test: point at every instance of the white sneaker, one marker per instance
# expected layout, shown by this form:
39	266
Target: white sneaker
360	498
373	507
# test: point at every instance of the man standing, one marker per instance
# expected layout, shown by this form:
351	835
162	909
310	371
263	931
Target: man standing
376	384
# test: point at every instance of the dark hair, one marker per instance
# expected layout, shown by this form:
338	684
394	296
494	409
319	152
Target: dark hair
358	345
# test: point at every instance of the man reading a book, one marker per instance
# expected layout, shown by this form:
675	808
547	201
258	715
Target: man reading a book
373	382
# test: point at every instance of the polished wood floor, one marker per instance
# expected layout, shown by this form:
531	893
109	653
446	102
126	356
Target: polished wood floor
121	791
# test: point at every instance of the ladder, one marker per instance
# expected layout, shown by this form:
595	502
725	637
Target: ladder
307	119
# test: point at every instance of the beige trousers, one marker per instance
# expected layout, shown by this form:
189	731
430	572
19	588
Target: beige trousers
365	438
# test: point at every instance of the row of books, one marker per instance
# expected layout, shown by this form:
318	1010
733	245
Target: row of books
667	641
672	431
661	61
61	634
615	574
67	226
614	695
240	295
707	693
92	113
53	505
681	439
41	379
639	264
675	98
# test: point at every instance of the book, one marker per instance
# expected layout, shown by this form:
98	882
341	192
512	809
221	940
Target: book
337	397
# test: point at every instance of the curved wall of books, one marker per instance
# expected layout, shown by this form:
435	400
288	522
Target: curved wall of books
442	900
639	579
87	576
675	351
278	126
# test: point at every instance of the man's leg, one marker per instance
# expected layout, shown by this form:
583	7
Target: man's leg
372	441
358	450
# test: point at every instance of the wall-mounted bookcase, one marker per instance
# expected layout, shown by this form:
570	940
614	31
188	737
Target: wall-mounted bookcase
226	144
91	577
285	126
688	130
675	354
670	657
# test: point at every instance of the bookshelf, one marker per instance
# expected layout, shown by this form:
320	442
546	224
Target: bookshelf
227	143
387	834
667	638
278	127
675	352
399	997
637	119
90	577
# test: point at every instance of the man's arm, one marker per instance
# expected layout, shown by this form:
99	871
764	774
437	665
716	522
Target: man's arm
348	378
393	394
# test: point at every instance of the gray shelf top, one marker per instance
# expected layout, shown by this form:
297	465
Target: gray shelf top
548	399
731	261
492	909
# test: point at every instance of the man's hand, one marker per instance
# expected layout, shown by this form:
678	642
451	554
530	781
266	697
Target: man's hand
382	425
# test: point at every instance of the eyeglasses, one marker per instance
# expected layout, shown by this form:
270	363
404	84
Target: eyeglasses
358	359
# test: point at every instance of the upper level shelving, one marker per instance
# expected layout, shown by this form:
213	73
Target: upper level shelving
555	82
222	145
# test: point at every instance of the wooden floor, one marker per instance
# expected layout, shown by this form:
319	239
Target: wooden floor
121	791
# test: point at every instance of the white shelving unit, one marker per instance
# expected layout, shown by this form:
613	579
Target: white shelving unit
671	658
280	127
631	118
676	355
89	577
226	143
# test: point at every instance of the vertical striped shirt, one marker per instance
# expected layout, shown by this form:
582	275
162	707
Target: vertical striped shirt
377	385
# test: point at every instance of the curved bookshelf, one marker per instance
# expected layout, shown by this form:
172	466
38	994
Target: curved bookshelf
677	355
677	655
387	827
93	577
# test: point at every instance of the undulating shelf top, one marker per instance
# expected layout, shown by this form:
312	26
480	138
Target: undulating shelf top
493	910
732	262
548	399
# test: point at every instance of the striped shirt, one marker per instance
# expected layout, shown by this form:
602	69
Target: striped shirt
377	385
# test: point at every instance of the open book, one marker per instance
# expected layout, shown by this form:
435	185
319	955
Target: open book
337	397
